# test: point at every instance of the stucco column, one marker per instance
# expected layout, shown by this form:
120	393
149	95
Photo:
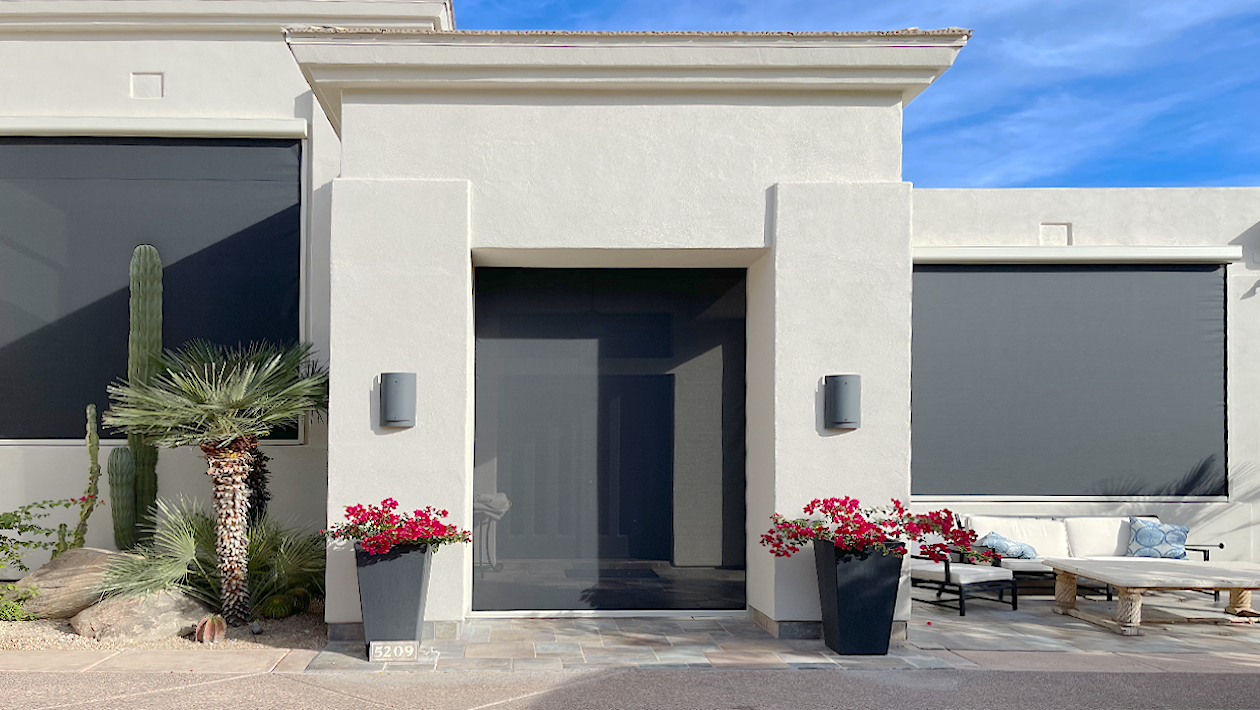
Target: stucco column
401	301
832	297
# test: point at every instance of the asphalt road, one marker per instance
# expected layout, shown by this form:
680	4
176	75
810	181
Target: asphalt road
621	689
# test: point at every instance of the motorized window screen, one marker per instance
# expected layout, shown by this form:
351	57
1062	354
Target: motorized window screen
1069	380
223	214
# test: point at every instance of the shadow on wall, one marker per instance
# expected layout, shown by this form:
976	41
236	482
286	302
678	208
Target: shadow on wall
1249	240
1206	478
243	288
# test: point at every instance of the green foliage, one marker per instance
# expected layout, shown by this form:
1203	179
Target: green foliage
24	523
11	603
122	496
286	566
90	498
210	394
144	353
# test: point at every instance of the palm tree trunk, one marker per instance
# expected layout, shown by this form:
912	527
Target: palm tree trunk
229	465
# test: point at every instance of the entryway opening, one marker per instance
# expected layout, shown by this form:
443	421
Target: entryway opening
609	454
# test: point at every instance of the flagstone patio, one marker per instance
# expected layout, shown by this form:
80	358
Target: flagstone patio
937	638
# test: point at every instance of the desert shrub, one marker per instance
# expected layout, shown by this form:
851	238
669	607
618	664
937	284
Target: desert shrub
11	603
25	523
286	565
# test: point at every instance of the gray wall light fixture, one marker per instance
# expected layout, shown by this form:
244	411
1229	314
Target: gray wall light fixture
398	399
842	401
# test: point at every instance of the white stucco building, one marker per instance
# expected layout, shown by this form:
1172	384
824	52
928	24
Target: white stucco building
433	160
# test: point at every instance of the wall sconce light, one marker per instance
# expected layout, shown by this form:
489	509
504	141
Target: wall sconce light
842	401
398	399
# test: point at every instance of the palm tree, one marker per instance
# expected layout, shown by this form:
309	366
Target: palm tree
223	399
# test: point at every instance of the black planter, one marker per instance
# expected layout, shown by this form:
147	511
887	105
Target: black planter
858	594
392	590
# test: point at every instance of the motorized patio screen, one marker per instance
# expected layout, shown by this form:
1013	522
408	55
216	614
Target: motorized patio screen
609	450
223	214
1069	380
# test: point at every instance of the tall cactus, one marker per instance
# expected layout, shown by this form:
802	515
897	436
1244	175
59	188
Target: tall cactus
144	348
94	474
122	497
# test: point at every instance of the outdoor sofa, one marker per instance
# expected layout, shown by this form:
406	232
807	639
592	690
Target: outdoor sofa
1095	537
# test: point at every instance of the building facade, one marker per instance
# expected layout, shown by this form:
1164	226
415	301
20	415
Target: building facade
620	266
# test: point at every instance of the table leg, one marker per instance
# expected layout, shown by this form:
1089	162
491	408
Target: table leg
1129	611
1064	592
1240	603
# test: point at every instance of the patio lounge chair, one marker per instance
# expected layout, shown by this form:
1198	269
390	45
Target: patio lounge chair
963	580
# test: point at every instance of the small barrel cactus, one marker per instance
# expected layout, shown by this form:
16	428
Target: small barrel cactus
211	629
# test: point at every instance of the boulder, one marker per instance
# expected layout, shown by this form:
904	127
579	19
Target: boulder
67	585
157	616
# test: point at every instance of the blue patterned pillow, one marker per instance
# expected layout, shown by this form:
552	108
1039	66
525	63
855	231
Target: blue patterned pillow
1151	538
1007	547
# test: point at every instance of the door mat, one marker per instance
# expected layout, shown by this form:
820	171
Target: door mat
609	573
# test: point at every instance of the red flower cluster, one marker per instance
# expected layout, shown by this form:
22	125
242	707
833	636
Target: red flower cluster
378	527
854	529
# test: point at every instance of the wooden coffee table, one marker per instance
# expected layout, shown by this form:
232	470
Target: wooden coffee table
1131	575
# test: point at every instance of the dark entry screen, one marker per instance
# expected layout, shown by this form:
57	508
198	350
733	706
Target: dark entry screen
610	439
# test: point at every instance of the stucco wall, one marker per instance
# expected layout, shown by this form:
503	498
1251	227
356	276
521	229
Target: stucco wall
215	77
1148	217
621	171
628	181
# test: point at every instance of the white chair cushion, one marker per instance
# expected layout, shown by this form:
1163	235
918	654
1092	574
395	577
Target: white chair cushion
959	574
1017	565
1047	535
1098	536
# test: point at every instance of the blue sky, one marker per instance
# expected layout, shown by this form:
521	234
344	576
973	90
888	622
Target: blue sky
1048	93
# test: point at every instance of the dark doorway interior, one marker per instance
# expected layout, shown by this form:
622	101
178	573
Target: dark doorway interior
610	439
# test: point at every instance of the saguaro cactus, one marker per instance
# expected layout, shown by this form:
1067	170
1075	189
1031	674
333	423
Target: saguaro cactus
144	348
122	496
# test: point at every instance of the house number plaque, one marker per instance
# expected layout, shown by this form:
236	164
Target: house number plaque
394	651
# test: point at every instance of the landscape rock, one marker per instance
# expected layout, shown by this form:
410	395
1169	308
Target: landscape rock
67	585
154	617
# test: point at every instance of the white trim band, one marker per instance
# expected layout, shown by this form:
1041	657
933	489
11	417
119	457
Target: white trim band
1078	255
153	127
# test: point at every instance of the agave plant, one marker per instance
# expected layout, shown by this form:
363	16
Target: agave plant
223	399
286	565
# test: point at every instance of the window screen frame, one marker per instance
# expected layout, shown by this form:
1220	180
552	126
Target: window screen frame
107	436
1136	261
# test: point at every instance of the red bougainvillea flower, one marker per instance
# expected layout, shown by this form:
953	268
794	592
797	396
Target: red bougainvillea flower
854	529
379	528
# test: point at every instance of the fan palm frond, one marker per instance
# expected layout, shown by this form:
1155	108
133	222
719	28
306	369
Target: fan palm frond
211	394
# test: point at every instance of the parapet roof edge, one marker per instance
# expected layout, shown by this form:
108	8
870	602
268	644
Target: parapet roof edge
954	32
336	60
150	16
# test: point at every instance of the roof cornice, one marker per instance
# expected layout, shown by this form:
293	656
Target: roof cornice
335	60
173	17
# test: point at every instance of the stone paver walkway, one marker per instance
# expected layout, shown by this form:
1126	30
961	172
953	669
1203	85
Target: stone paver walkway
655	643
990	637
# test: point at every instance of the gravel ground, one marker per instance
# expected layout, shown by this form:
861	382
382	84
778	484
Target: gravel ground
301	631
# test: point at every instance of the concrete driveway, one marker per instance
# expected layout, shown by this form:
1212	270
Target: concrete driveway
633	688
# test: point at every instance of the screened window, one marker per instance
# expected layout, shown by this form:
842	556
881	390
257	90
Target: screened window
224	214
1069	380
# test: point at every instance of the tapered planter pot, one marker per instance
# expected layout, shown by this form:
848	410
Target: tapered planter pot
392	590
858	594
